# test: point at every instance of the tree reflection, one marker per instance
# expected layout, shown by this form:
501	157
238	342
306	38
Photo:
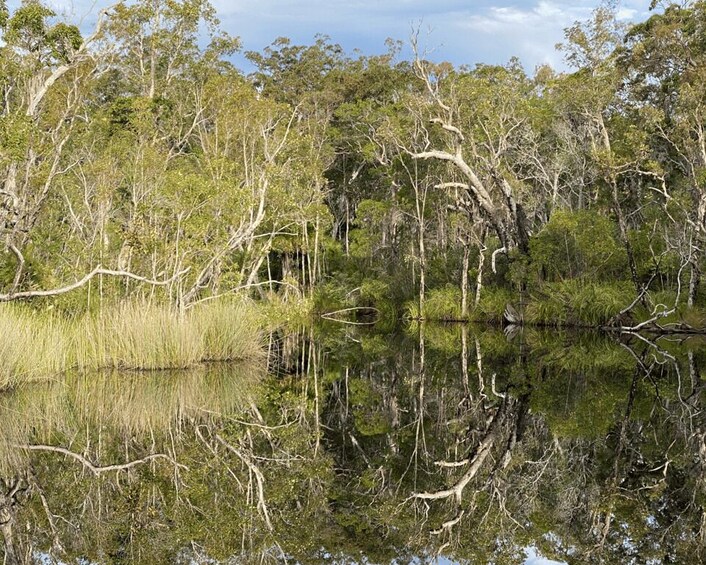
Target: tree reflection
444	440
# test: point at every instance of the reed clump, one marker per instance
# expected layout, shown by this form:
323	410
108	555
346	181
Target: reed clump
33	346
441	304
145	337
137	336
228	332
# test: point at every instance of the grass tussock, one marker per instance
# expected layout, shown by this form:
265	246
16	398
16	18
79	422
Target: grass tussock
33	346
143	337
492	305
441	305
39	346
578	303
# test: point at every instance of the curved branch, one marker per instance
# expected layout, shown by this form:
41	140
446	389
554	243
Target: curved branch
79	283
39	95
475	185
450	128
20	266
332	316
259	478
97	470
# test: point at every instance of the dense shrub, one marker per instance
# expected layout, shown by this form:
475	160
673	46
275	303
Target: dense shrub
578	244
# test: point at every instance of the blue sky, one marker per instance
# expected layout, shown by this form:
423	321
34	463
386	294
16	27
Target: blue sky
463	32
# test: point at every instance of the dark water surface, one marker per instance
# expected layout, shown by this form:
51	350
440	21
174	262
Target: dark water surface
440	444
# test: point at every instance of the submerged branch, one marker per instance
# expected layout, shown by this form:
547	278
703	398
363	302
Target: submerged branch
331	316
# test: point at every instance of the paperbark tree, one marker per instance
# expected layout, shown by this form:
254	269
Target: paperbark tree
477	144
665	63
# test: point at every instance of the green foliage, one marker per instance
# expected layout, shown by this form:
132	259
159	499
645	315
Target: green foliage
491	307
168	159
278	311
330	296
577	302
578	244
379	294
64	40
28	24
441	304
371	217
4	14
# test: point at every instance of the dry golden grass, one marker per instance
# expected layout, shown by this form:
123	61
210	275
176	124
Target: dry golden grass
33	346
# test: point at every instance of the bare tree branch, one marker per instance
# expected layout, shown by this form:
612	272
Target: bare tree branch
60	71
95	469
79	283
259	478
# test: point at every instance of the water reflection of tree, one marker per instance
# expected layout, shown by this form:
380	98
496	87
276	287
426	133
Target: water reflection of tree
87	460
383	446
573	449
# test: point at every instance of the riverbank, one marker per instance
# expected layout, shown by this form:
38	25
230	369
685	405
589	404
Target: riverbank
568	304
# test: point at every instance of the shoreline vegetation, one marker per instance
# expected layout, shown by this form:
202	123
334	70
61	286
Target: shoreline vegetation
41	345
569	304
129	337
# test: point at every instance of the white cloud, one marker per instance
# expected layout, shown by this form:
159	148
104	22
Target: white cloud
531	30
464	32
626	14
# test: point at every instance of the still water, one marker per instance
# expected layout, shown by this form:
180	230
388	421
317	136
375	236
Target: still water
439	444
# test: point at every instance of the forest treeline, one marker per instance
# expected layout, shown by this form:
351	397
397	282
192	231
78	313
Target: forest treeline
138	161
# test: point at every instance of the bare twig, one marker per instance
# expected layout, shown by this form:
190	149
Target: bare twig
259	478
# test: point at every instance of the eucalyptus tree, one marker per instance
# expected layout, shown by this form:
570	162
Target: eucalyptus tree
591	98
54	83
142	149
665	62
46	69
478	144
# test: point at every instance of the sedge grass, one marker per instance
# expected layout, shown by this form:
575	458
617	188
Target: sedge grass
441	305
139	337
227	332
32	347
578	303
41	345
